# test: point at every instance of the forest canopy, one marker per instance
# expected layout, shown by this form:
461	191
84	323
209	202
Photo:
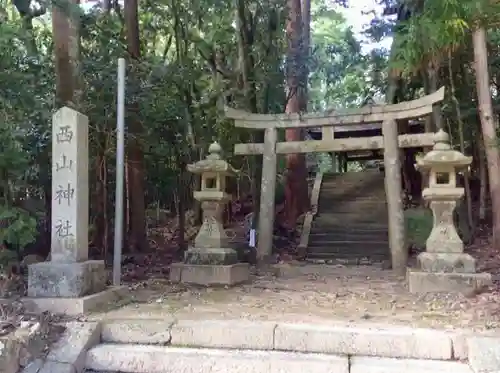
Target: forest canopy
186	59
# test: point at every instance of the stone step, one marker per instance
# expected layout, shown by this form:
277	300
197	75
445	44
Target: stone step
353	198
336	338
353	175
354	179
361	364
346	212
363	198
357	205
340	221
364	195
376	211
366	243
378	221
361	229
349	248
354	208
345	259
161	359
365	179
355	183
358	188
348	235
335	208
350	195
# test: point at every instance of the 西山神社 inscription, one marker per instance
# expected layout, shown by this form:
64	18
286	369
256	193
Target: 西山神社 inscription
69	187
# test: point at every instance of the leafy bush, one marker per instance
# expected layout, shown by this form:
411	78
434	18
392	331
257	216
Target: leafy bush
418	222
17	228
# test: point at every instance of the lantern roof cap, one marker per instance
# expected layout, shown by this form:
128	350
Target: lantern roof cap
442	154
213	163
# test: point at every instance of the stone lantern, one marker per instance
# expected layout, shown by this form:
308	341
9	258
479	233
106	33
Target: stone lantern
444	267
211	261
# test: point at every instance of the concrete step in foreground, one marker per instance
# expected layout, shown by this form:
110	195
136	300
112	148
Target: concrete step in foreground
160	359
242	346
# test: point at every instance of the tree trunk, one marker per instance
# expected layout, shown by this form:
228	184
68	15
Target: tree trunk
483	179
182	189
468	197
429	126
306	43
65	26
488	126
247	68
296	192
433	71
137	235
101	240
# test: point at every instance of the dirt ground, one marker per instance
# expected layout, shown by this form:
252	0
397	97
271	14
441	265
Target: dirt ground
312	293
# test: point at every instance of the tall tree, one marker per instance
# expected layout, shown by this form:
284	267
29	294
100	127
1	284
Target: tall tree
135	158
296	193
65	28
488	125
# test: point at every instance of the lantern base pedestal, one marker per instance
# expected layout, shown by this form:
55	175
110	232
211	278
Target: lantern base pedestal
210	256
446	262
210	274
446	282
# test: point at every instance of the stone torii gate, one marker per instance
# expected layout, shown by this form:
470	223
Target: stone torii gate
389	141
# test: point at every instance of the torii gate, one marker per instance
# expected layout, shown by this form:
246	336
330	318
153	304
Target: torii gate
389	141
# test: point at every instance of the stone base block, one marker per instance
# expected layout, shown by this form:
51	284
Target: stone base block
427	282
67	280
211	256
446	262
208	275
75	306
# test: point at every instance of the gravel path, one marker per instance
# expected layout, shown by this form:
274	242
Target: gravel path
309	293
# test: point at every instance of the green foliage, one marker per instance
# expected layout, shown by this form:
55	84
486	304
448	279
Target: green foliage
8	259
438	28
325	163
418	222
25	106
341	74
20	228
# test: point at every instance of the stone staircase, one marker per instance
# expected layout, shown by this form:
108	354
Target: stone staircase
351	224
244	346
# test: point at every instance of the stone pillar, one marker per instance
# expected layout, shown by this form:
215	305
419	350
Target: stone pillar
444	267
393	191
69	274
212	260
267	196
327	133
